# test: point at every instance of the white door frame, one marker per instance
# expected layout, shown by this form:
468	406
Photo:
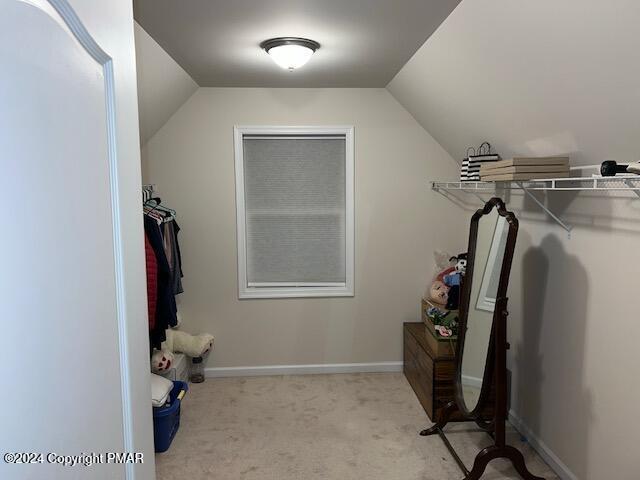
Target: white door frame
77	28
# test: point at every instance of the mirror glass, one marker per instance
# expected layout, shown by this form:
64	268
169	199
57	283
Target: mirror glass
487	264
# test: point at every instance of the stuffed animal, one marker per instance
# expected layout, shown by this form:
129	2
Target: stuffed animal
458	270
447	271
453	280
442	259
161	361
191	345
461	263
445	288
438	293
443	264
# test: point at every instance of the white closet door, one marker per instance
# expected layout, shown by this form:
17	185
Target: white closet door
61	278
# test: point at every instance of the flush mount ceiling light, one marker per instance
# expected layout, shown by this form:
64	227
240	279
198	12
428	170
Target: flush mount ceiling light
290	52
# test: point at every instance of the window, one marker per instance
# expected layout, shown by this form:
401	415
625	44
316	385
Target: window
294	200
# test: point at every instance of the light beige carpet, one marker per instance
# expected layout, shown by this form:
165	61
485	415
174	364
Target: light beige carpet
342	427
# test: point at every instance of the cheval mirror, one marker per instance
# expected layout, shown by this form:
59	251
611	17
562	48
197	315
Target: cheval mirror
481	353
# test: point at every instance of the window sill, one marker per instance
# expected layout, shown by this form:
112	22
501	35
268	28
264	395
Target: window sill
295	292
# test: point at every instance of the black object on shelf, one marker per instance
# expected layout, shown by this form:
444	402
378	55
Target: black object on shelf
610	168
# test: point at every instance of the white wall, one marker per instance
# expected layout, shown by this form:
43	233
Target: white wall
575	330
541	77
163	85
399	222
551	77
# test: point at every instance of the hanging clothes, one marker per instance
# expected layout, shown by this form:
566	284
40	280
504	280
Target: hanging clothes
167	243
177	281
164	267
172	249
166	309
152	281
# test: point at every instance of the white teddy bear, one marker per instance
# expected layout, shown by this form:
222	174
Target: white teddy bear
180	342
161	361
191	345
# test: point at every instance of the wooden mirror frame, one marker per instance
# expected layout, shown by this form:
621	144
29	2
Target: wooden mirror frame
495	373
465	304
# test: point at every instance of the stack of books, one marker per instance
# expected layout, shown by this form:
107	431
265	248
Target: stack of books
470	171
525	168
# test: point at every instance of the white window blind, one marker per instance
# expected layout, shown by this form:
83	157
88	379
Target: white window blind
297	213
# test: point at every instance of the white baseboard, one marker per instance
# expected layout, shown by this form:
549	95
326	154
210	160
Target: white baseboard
380	367
543	450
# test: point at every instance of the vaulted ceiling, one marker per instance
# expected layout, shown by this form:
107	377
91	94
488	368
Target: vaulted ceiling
363	42
162	85
533	78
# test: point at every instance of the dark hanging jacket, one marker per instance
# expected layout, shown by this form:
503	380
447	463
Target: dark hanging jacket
172	250
166	309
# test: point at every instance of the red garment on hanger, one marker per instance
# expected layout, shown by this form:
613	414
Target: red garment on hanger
152	281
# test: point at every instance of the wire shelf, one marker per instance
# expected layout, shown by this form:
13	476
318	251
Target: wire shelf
628	183
595	182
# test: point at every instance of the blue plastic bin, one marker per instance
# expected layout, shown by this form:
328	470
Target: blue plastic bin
166	419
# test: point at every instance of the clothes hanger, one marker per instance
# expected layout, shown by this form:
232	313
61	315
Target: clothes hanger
150	210
155	217
158	206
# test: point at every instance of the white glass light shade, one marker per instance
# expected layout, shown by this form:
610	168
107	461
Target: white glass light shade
290	57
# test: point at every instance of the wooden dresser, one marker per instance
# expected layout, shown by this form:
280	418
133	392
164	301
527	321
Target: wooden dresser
430	376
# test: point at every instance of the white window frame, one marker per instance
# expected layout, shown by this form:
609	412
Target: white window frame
492	268
289	290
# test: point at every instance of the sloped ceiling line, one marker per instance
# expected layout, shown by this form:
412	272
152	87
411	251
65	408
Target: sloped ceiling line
163	85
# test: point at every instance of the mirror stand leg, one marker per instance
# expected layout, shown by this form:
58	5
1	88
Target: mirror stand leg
481	462
446	413
493	452
517	459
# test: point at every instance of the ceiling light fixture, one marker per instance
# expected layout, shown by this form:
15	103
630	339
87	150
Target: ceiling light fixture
290	52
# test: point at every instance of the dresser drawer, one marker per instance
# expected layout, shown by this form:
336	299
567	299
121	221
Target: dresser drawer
418	368
430	377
